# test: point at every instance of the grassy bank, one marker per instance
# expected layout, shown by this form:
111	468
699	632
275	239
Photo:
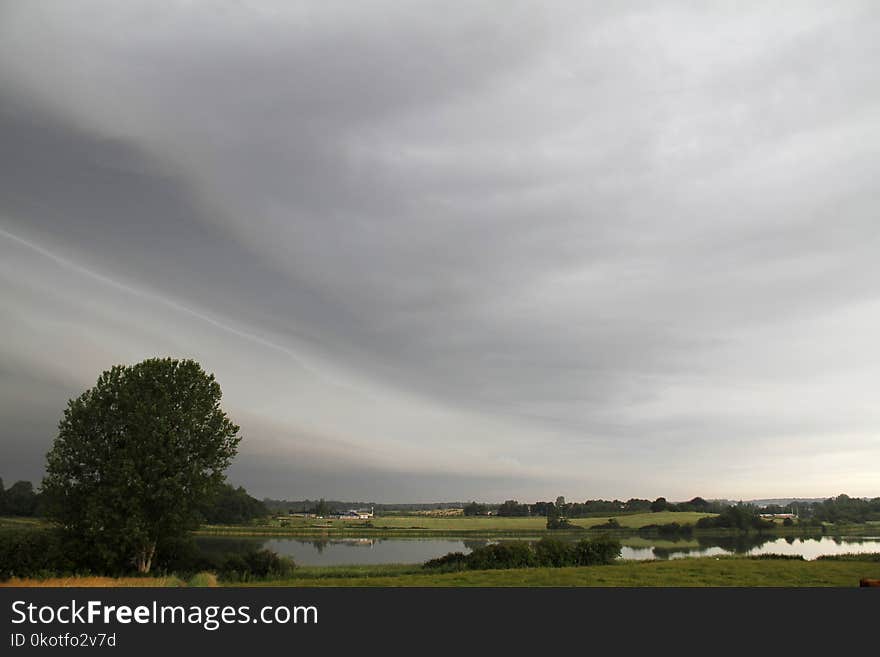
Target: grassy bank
705	571
725	571
91	581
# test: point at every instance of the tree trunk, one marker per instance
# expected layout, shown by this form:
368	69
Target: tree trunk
144	558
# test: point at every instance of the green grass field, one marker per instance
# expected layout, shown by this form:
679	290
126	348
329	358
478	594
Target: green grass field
442	526
707	571
457	523
427	526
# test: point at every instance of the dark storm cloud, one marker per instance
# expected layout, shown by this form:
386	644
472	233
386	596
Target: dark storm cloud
486	243
107	202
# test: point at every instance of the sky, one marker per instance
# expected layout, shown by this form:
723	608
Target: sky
456	250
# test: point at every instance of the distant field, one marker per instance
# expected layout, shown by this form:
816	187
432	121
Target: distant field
734	572
452	524
496	522
416	525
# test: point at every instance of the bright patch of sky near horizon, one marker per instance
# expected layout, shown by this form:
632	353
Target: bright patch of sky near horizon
481	251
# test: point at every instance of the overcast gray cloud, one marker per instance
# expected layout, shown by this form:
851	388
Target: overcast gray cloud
439	250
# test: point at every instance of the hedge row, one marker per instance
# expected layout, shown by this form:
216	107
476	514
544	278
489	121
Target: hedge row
546	553
48	553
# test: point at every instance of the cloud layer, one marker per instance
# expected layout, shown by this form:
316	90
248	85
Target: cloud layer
456	252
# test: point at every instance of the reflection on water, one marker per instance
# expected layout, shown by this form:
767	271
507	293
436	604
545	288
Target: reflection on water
360	551
712	546
341	551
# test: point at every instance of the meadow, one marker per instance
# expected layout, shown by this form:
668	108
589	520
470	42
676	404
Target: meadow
697	572
708	571
422	525
477	523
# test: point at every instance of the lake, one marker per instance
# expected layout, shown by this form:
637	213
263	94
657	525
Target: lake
367	551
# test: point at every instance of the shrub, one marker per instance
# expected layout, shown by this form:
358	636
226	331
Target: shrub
258	564
741	516
554	553
38	553
611	524
789	557
669	529
597	552
548	552
850	556
510	554
558	522
673	528
182	555
449	562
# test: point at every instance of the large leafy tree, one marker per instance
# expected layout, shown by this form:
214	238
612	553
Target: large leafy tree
136	457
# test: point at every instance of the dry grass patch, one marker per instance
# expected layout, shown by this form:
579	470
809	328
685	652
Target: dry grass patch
92	582
202	580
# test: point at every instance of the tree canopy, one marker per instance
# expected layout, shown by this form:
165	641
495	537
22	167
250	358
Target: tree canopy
137	456
660	504
475	509
230	506
513	508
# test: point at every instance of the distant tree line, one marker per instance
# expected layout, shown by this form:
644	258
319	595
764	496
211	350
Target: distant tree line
232	505
308	505
844	508
322	507
697	504
739	516
512	508
839	509
475	509
592	508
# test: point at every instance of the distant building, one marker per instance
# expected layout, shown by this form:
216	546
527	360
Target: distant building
361	514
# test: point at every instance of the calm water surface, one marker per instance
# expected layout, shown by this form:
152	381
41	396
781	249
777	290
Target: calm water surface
808	548
363	551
